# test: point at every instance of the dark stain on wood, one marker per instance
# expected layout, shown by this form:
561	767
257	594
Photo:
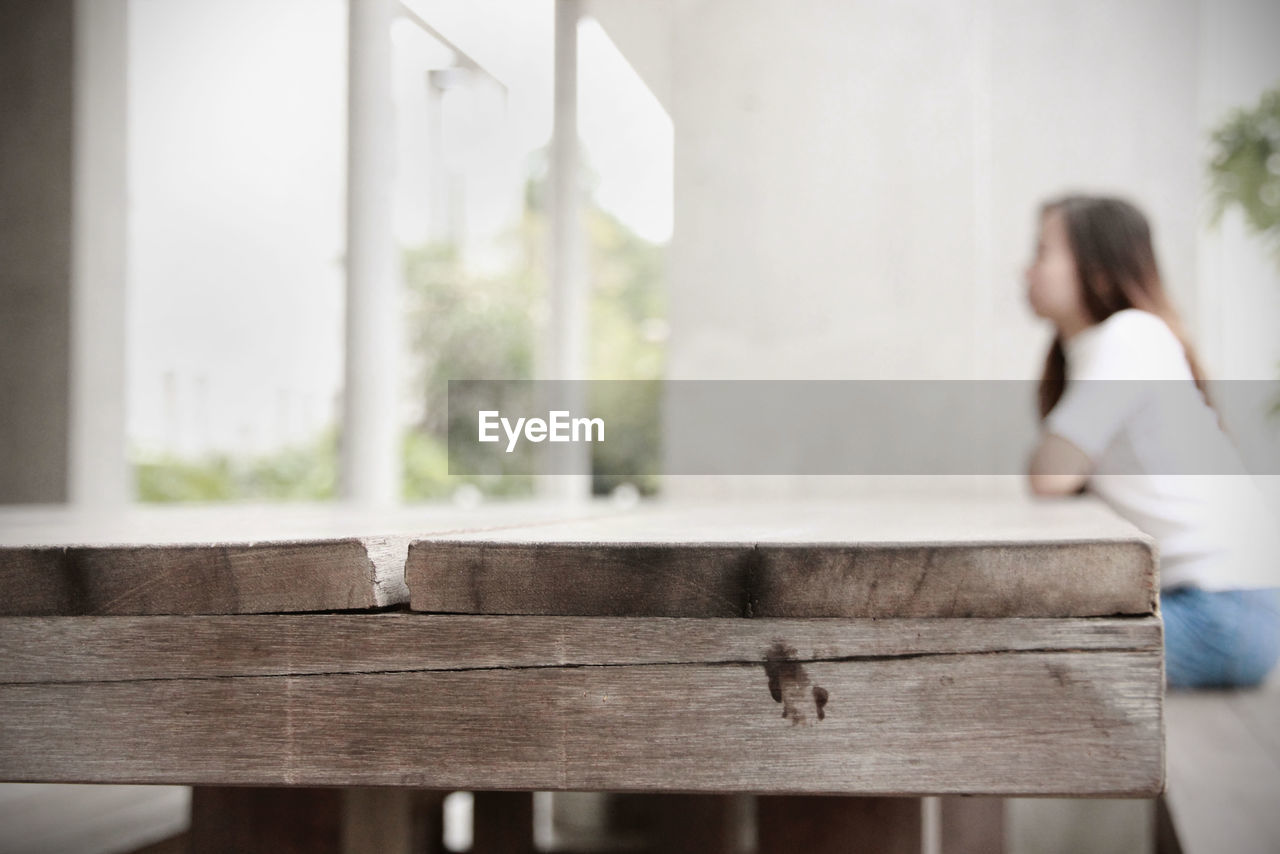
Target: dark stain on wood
76	592
749	572
820	697
789	684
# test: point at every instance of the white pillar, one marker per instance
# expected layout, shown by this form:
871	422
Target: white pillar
437	173
370	463
564	345
98	473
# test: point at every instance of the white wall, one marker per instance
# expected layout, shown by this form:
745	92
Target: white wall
856	185
823	191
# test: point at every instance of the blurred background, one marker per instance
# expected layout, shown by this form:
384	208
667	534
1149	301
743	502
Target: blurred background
244	244
230	275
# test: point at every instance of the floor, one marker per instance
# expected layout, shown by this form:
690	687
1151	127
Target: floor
65	819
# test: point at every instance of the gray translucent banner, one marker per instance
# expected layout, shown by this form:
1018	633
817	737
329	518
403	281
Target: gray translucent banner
848	427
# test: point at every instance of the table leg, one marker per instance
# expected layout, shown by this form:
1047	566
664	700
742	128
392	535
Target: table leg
502	823
827	825
252	819
392	821
1166	835
695	824
972	825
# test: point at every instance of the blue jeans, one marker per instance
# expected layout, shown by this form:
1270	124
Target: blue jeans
1219	638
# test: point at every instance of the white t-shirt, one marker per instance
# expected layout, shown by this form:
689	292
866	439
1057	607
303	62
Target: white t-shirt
1160	458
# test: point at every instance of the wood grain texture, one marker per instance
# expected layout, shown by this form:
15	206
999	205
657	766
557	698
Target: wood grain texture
95	649
799	559
202	579
227	560
776	707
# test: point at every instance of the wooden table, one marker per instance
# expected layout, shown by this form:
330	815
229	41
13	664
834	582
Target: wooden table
888	648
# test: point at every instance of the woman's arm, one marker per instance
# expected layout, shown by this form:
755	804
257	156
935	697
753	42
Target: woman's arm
1057	467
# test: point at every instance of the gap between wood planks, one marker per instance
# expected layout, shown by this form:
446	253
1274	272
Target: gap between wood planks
733	662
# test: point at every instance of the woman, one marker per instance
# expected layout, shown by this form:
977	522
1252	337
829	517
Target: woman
1126	415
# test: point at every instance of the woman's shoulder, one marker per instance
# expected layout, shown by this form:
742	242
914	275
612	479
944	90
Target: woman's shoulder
1136	321
1141	330
1131	342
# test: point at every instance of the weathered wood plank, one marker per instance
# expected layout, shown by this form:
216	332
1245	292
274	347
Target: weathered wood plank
995	558
90	649
1077	723
887	558
227	560
198	579
58	525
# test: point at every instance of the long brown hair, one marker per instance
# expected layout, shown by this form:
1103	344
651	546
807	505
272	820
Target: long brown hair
1111	243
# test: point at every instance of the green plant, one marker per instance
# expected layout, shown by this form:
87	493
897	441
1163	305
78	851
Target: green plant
627	342
304	472
462	325
1244	170
468	326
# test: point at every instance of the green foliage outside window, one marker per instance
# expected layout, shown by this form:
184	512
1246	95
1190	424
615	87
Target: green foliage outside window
304	472
466	325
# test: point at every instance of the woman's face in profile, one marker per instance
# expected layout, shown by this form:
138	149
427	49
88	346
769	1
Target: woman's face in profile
1053	287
